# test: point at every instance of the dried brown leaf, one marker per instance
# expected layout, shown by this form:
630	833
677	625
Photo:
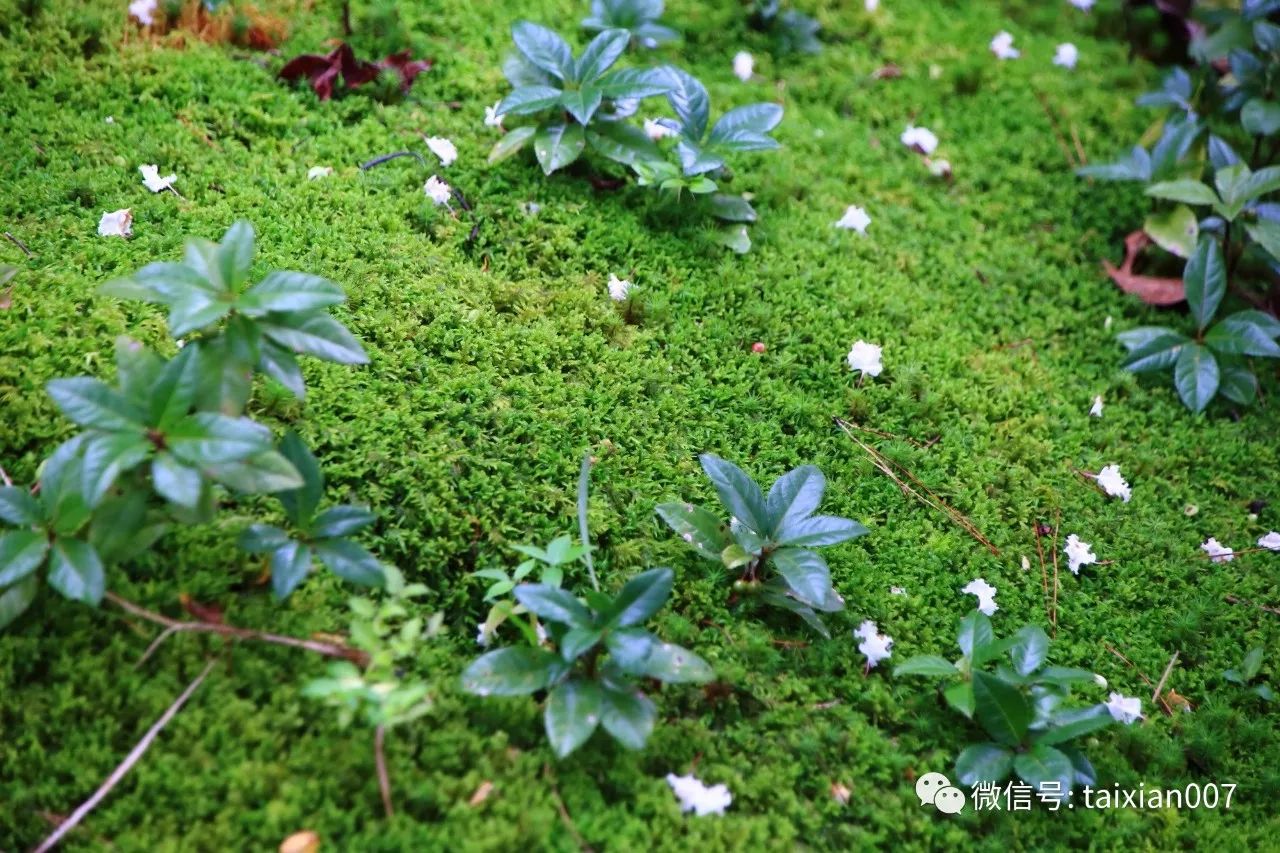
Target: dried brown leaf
1152	290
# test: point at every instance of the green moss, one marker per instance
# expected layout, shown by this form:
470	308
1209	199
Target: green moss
497	361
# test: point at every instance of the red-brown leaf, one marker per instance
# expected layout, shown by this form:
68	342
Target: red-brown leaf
1152	290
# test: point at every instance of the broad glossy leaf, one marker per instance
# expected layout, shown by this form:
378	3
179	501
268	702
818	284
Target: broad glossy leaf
1232	183
158	282
544	48
743	140
793	497
300	504
1029	650
641	597
106	457
284	290
1238	384
1073	724
350	562
673	664
21	553
526	100
688	98
554	605
1262	182
755	118
195	309
577	641
818	531
806	574
708	534
975	633
513	140
1184	190
984	762
629	648
573	713
557	145
208	439
225	382
960	697
628	715
76	571
1261	117
1064	675
738	492
621	142
1001	709
265	473
1266	232
600	54
15	600
730	208
1134	167
512	672
1221	154
290	565
341	521
18	507
695	160
1236	335
91	403
1153	349
582	103
315	334
174	391
136	368
1196	376
176	482
634	83
1043	764
733	237
262	538
931	665
1084	772
280	364
235	254
1175	230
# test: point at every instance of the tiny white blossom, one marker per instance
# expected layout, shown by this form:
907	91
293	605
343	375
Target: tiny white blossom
1083	5
443	148
854	219
541	631
493	118
110	119
939	168
1271	541
897	590
484	634
921	139
315	173
1124	709
656	130
986	594
1099	680
1217	552
143	11
1113	484
743	65
875	646
1078	554
865	357
118	223
1066	55
696	797
1096	410
619	288
1002	46
155	183
871	5
437	190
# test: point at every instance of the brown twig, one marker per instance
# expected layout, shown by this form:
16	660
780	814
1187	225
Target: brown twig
380	761
1233	599
1044	572
564	812
1057	528
174	626
1141	675
1025	342
1075	138
1156	696
21	245
908	439
125	766
929	497
1057	131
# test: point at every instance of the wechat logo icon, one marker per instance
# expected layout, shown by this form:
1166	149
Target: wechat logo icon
936	790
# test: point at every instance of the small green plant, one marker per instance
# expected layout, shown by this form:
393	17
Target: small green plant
769	539
597	652
574	103
558	554
638	17
791	31
1020	706
1248	672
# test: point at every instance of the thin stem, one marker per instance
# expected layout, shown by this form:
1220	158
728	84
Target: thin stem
125	766
1155	696
380	760
1226	251
584	486
173	626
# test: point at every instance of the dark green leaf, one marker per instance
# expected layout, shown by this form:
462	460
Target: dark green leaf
779	597
512	672
1003	711
1195	375
1236	335
754	118
793	497
278	363
76	572
1043	764
544	49
1071	725
730	208
600	54
1184	190
984	762
300	504
350	562
975	633
315	334
235	254
819	530
106	456
1260	117
1084	772
1205	277
1251	665
554	605
926	665
176	482
1266	232
743	140
806	573
263	473
526	100
688	98
573	712
672	664
641	597
734	238
1149	351
634	83
15	600
738	492
577	641
1238	384
1029	650
262	538
91	403
621	142
557	145
21	553
196	308
1064	675
18	507
628	715
225	381
284	290
209	439
960	697
582	103
290	564
341	521
174	391
630	648
705	532
1175	230
515	139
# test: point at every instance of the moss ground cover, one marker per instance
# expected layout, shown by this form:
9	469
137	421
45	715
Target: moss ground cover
497	360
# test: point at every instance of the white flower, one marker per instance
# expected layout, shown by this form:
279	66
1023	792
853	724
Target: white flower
1066	55
443	148
1002	46
743	65
1096	410
854	219
155	183
118	223
897	590
939	168
1083	5
110	119
1124	709
1099	680
143	11
484	634
656	130
1271	541
986	594
1113	484
696	797
875	646
541	631
625	107
922	139
1217	552
315	173
493	118
865	357
1078	554
871	5
437	190
619	288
